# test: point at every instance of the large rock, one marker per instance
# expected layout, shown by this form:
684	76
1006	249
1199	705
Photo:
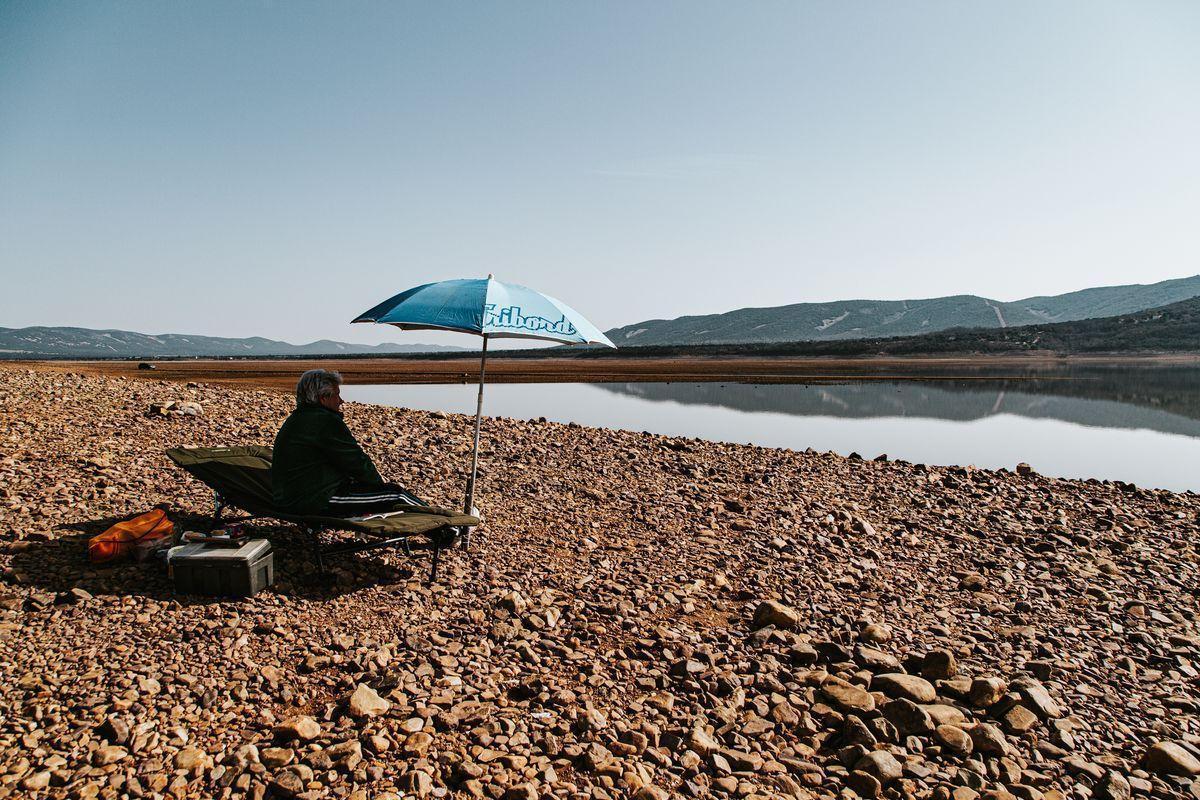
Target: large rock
876	660
300	726
986	692
954	738
36	781
287	784
175	408
855	731
939	665
880	764
115	730
515	602
1019	719
908	717
418	783
418	743
772	612
943	714
908	687
189	408
274	757
189	758
846	696
365	703
1113	786
593	757
1170	758
987	738
861	783
108	754
699	741
876	633
1037	698
346	755
973	582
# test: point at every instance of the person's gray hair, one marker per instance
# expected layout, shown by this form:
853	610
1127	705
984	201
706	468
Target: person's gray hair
315	385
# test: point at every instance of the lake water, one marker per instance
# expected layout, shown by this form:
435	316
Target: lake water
1137	425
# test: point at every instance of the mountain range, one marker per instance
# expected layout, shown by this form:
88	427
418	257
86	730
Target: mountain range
87	343
867	319
1033	321
1169	329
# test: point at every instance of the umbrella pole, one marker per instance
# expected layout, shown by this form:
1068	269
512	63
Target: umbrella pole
470	500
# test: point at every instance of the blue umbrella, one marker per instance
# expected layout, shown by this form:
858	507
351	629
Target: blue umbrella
491	309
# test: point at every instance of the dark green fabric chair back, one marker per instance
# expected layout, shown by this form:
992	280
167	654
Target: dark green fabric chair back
241	475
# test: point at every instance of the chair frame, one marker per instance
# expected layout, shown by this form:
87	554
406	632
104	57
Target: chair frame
313	533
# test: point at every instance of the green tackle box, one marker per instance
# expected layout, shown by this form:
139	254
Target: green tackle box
222	571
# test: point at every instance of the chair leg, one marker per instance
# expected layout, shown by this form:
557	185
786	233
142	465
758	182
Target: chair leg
437	551
218	510
315	535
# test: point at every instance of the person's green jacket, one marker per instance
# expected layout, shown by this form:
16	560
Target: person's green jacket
315	456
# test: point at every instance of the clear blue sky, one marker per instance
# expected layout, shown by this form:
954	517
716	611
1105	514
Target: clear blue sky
274	168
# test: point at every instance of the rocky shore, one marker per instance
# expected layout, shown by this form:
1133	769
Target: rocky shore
639	616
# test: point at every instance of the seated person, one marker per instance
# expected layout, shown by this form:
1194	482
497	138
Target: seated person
318	467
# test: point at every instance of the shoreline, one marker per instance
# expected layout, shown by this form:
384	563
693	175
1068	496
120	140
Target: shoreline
281	373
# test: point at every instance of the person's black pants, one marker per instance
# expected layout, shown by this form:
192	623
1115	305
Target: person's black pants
357	501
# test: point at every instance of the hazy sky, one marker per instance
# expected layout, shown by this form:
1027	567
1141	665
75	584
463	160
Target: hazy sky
275	168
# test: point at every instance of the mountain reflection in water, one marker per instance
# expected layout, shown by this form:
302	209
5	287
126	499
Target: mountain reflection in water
1137	425
1161	399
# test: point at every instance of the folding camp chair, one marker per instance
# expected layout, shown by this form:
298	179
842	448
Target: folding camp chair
240	477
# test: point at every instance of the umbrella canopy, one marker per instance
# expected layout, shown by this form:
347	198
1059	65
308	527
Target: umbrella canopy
489	308
486	307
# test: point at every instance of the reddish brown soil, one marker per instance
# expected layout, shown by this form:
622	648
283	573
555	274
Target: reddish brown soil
281	373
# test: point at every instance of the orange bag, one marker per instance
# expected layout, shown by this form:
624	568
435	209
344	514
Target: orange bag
121	540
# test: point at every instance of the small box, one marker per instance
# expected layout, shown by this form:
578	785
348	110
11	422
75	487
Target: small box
218	571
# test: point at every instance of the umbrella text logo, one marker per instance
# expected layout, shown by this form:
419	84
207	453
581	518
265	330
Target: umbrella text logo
512	317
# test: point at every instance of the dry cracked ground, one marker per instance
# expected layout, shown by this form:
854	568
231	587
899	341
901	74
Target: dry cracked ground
639	616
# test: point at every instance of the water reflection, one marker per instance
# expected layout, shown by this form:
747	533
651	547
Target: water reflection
1135	425
1165	400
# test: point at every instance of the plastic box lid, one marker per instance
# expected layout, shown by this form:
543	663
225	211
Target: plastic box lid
205	551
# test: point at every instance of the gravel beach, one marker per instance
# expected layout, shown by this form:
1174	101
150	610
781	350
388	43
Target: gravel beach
639	616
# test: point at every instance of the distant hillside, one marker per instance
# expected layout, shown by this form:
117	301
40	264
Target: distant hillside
39	342
864	319
1170	329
